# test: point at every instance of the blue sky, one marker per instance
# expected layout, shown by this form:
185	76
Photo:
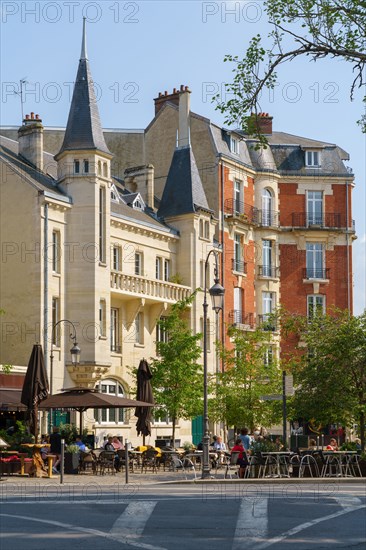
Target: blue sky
140	48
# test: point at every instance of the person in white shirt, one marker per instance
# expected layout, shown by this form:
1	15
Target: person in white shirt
219	445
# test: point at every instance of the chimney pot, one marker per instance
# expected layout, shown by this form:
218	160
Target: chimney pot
37	117
174	90
165	93
186	88
32	115
181	87
26	117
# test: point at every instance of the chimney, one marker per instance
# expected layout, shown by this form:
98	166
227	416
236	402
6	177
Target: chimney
263	122
140	179
30	137
184	112
163	98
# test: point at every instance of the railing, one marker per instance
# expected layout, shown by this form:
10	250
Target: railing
159	290
239	266
116	348
316	273
267	218
238	209
237	317
267	323
270	271
331	220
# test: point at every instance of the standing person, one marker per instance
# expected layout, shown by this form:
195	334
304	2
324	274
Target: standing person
245	438
242	458
55	449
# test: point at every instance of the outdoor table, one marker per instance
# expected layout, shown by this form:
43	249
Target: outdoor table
339	455
277	455
39	468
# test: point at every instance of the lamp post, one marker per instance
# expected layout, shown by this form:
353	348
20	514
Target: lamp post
75	354
217	295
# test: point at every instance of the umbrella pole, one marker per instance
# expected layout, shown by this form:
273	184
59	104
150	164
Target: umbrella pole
81	423
143	440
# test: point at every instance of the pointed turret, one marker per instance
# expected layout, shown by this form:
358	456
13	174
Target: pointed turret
84	130
183	191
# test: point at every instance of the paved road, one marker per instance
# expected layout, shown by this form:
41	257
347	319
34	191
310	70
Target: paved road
191	517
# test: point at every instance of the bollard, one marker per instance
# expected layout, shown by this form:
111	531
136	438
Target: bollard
62	463
126	459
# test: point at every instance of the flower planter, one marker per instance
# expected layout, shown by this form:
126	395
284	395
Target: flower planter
71	465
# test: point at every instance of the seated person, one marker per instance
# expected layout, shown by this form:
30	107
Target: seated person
242	458
45	450
219	445
108	446
312	445
333	445
80	444
117	445
278	444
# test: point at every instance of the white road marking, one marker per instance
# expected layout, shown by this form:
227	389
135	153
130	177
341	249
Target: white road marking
251	525
306	525
86	530
347	501
130	524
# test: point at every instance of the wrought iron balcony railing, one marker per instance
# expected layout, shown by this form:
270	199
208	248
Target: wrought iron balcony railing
239	266
237	317
328	220
316	273
267	218
245	212
270	271
266	323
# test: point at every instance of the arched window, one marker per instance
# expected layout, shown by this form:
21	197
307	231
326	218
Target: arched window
105	170
267	207
207	230
110	416
201	228
99	168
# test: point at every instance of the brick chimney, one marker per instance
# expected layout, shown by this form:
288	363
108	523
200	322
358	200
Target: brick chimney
30	137
263	121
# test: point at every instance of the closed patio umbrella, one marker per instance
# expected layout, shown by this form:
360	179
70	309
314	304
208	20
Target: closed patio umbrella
35	387
144	393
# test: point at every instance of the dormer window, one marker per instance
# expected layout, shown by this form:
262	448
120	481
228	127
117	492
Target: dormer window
234	145
312	159
76	167
114	194
137	204
86	167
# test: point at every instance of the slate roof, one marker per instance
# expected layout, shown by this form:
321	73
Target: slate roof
183	191
29	173
84	129
122	210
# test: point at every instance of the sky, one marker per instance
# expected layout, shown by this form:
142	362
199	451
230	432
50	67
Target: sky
140	48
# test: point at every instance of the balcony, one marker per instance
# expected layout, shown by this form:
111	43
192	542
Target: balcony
267	218
150	289
268	271
330	220
316	273
243	212
239	266
237	317
267	324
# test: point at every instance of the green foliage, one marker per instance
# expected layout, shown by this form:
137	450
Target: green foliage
177	377
311	28
69	432
73	449
20	435
348	446
262	446
238	391
329	367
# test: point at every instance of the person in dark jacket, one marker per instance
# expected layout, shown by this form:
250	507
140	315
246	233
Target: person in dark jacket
55	449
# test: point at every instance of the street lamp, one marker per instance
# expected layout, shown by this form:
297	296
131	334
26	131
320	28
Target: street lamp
217	295
75	353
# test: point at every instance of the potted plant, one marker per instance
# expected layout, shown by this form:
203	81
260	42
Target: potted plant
72	458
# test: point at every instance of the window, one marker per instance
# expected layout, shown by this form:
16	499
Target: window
268	303
102	318
238	305
312	158
268	357
102	224
314	210
139	328
315	261
114	195
99	168
161	333
207	230
110	416
55	319
137	205
115	330
105	170
158	268
267	208
315	305
56	251
86	166
161	417
234	145
267	258
76	167
238	197
138	263
238	254
117	257
166	270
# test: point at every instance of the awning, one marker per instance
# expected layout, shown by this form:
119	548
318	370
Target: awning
10	400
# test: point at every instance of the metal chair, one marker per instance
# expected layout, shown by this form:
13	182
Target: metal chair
308	463
87	461
255	467
231	464
106	461
149	460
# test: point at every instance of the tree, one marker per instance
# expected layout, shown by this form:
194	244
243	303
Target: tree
177	377
250	372
329	367
312	28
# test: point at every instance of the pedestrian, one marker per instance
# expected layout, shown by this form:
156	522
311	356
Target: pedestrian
55	449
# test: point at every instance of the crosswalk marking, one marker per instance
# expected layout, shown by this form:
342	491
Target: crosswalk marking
251	525
347	501
131	523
